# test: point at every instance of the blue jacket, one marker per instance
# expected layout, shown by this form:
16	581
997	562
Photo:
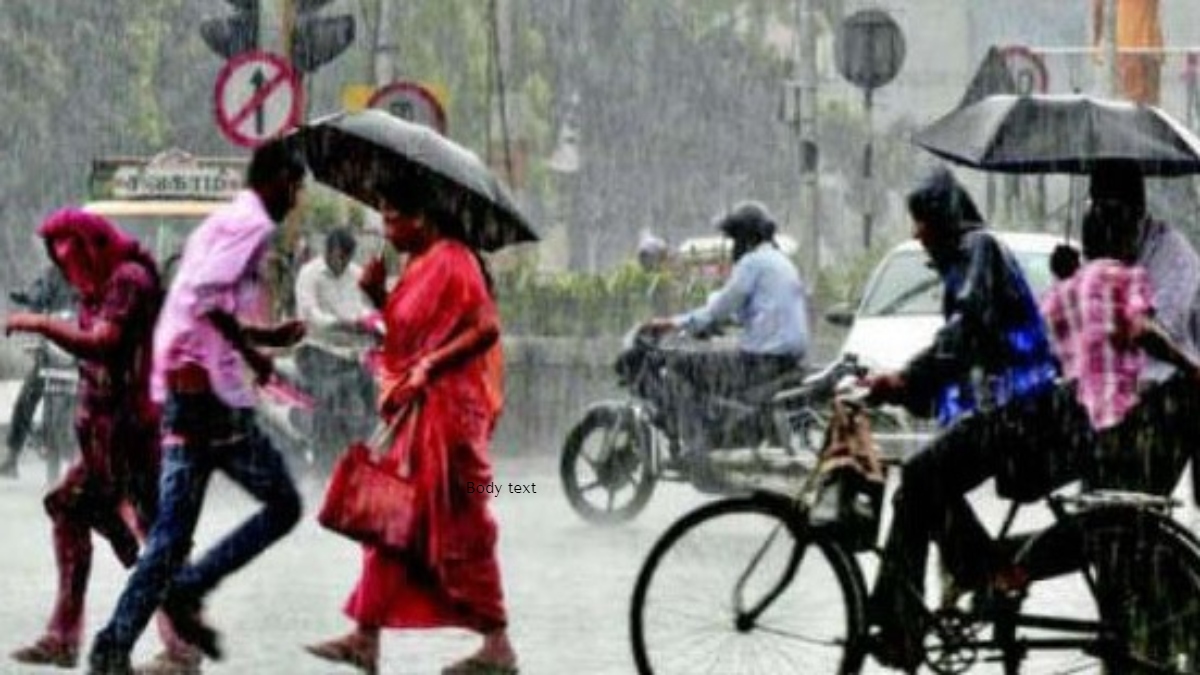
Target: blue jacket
993	346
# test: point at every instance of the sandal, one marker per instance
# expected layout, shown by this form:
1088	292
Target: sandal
48	651
350	650
473	665
172	663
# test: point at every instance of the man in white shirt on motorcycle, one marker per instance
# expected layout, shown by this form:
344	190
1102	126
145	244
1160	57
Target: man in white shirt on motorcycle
767	298
331	358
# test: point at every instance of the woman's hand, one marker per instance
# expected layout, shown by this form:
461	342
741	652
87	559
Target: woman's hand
403	392
24	322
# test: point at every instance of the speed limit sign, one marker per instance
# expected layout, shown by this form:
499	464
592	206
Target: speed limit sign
413	102
1027	68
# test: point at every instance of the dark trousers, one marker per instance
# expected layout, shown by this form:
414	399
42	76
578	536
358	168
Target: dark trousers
1149	449
202	436
344	394
1032	446
700	376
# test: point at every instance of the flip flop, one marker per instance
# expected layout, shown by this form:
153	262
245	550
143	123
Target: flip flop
473	665
339	651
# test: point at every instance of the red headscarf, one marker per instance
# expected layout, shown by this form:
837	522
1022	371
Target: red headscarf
100	247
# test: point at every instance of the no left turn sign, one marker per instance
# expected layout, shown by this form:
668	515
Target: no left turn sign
258	96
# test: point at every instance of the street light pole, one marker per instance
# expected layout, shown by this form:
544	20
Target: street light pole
806	93
1110	27
287	25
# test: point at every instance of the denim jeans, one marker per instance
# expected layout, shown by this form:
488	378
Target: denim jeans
201	436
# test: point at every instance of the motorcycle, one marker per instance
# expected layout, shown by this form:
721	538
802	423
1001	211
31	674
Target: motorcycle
287	407
616	453
284	412
52	428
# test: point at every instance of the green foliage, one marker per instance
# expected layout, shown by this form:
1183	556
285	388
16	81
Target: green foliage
846	281
588	305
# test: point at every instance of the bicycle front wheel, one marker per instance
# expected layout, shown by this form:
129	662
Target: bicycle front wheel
738	586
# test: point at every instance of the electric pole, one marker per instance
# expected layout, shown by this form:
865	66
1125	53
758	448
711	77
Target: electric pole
806	128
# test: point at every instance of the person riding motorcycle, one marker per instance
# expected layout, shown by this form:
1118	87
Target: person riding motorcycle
765	295
48	294
330	359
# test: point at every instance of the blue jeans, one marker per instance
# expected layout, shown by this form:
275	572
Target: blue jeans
214	437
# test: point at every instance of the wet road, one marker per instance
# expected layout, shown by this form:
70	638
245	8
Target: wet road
568	583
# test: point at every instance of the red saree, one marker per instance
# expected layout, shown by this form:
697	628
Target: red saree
454	577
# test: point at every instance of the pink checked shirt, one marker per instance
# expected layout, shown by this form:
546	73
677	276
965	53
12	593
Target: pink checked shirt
1089	317
220	269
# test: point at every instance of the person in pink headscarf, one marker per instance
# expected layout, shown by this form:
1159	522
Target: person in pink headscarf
112	487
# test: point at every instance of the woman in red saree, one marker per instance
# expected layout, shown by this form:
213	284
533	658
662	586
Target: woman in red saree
441	368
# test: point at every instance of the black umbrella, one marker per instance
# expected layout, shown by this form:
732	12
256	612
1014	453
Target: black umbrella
359	153
1061	134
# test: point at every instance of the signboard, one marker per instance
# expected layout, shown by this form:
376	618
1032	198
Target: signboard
173	174
257	97
413	102
1028	70
870	48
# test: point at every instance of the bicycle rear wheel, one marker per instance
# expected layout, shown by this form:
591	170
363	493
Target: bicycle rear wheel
1148	590
738	587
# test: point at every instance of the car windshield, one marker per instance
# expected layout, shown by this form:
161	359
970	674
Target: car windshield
907	286
161	235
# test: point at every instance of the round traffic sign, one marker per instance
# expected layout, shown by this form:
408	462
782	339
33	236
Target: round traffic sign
413	102
1027	68
870	48
257	97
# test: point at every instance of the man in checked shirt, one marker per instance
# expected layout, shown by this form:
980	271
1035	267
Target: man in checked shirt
1139	384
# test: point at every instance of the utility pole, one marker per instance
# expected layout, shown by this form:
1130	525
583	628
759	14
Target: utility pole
1110	28
383	67
806	128
287	25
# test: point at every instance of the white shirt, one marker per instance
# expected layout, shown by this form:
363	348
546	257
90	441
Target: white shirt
766	296
325	302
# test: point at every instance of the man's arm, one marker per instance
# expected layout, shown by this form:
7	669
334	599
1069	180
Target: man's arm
247	339
1152	337
723	303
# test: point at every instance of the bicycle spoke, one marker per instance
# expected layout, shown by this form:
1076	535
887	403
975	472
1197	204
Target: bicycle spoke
728	558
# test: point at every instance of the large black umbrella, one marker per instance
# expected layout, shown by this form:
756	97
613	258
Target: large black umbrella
363	153
1061	134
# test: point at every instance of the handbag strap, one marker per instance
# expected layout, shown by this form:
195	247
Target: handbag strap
384	436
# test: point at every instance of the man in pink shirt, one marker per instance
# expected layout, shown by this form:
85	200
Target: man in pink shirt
1103	325
203	344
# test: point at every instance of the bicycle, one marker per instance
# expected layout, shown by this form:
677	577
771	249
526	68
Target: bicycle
789	593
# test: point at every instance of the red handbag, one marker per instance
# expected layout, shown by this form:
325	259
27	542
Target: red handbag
371	498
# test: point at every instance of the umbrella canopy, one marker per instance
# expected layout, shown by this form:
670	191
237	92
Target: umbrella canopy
361	152
1061	134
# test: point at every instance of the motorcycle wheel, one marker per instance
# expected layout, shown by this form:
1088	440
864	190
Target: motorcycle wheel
606	466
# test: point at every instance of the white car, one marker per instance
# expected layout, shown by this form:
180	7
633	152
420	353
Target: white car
901	307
